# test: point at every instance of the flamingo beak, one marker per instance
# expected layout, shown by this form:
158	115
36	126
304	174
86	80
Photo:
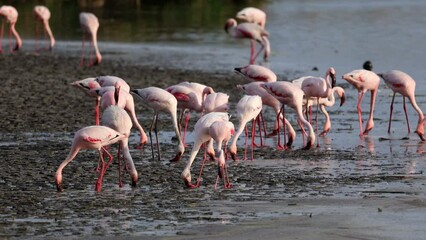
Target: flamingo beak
333	80
342	99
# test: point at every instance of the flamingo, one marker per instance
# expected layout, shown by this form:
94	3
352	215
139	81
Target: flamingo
42	15
90	24
10	15
316	87
160	100
191	96
216	102
254	88
92	137
257	16
364	80
86	85
328	102
117	118
105	81
248	108
250	31
126	102
254	72
402	83
290	94
202	135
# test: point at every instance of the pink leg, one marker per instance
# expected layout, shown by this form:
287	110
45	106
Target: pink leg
120	179
253	132
252	51
201	172
97	110
284	128
279	145
1	35
188	115
245	143
82	50
316	119
391	110
358	107
406	116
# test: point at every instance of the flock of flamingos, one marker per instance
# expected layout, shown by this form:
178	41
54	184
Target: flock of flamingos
115	97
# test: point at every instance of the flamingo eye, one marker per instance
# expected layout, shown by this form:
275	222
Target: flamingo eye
351	76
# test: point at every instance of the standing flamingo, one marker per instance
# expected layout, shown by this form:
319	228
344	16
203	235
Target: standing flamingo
363	81
257	16
316	87
250	31
92	137
160	100
254	88
190	96
86	85
90	24
248	108
125	101
258	73
402	83
42	15
290	94
10	15
202	135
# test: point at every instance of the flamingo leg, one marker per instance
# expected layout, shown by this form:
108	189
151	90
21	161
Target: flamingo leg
150	136
253	132
82	50
97	104
406	115
358	107
201	172
120	179
316	120
391	110
260	50
252	51
101	173
284	128
1	35
245	143
188	115
279	145
156	136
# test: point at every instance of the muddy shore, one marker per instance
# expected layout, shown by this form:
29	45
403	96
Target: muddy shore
322	193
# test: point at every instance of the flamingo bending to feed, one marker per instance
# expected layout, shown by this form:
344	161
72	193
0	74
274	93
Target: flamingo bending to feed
254	88
202	135
161	101
402	83
92	137
90	24
42	15
250	31
118	119
256	73
190	96
110	81
257	16
126	102
363	81
290	94
86	85
10	15
216	102
248	108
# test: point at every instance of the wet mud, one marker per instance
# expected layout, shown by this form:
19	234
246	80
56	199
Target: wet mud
40	111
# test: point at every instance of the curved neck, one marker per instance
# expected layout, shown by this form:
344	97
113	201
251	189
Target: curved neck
18	38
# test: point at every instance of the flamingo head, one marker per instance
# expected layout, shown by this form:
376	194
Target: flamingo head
221	164
229	24
58	181
420	130
368	65
186	176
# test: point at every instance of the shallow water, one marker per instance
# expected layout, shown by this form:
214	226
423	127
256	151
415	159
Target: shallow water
304	34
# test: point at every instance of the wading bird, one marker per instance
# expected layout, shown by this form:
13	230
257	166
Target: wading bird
402	83
256	73
161	101
10	15
363	81
42	15
92	137
90	25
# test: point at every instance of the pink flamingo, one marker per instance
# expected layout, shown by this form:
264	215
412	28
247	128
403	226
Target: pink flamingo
42	15
257	16
161	101
254	88
316	87
363	81
90	24
117	118
105	81
216	102
126	102
202	135
190	96
402	83
10	15
250	31
248	108
256	73
92	137
290	94
86	85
